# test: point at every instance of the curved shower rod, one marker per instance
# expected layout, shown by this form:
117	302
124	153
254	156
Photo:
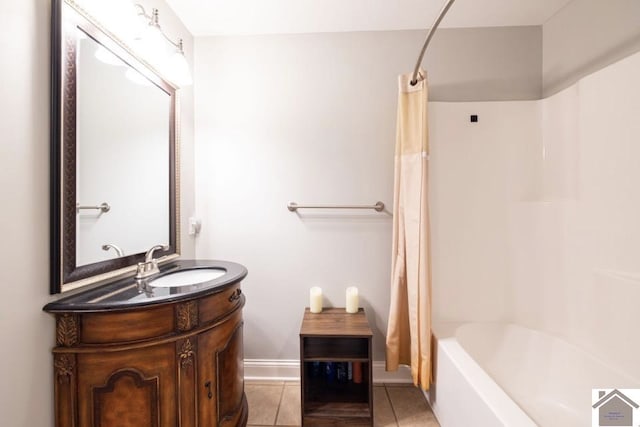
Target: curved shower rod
432	30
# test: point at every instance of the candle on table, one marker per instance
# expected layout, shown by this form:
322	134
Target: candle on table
315	300
352	299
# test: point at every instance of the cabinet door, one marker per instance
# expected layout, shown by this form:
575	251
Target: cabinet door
221	374
133	388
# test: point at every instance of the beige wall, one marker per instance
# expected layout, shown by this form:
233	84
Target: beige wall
27	333
585	36
479	64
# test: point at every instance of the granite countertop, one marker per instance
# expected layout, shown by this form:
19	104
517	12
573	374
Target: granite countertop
125	294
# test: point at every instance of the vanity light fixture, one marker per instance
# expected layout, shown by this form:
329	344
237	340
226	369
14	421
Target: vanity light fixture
175	64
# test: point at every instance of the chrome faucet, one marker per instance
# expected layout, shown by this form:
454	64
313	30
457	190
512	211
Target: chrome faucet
116	248
150	265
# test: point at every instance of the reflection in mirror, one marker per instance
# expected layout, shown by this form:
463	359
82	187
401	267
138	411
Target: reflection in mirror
119	147
113	153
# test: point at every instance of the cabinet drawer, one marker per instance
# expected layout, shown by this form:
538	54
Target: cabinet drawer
126	326
219	305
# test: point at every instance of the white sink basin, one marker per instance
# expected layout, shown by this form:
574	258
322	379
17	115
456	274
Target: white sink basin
187	277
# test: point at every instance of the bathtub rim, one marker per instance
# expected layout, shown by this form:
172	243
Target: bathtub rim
501	405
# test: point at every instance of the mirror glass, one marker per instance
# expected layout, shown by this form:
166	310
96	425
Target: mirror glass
113	155
119	147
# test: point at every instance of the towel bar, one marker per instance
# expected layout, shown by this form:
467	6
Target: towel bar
293	206
103	207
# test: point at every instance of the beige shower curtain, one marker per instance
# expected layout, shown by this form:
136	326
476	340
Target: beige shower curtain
409	327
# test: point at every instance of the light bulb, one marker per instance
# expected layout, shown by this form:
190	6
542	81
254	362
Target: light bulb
177	70
153	44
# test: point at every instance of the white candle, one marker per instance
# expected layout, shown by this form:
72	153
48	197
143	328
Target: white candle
315	299
352	299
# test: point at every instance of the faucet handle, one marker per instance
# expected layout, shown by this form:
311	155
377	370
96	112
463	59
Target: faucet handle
140	270
150	265
149	255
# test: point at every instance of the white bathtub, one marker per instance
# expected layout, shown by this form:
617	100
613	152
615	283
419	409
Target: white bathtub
495	374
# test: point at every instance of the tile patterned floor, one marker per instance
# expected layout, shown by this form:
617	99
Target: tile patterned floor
394	405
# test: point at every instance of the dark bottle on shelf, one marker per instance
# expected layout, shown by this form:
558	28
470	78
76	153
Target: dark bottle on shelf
330	372
316	369
341	372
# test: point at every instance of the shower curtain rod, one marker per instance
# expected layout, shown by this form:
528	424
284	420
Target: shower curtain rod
432	30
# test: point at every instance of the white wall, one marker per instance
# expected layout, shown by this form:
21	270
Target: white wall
27	333
276	123
311	118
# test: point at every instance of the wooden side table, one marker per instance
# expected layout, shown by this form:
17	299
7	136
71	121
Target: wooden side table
339	341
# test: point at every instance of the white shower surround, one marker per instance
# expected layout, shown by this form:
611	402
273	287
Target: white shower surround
547	242
539	229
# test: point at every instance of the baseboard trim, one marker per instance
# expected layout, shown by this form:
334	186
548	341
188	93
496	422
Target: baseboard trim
289	370
271	370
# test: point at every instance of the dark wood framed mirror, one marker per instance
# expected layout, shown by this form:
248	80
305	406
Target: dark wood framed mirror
113	154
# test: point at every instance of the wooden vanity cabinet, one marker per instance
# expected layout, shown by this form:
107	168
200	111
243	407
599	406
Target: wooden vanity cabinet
134	387
221	375
166	365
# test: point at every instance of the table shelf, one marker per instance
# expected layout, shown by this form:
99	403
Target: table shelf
337	337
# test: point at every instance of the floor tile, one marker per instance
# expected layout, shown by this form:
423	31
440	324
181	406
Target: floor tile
410	407
263	400
278	403
382	412
289	413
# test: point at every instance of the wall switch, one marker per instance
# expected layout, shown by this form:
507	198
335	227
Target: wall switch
195	225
